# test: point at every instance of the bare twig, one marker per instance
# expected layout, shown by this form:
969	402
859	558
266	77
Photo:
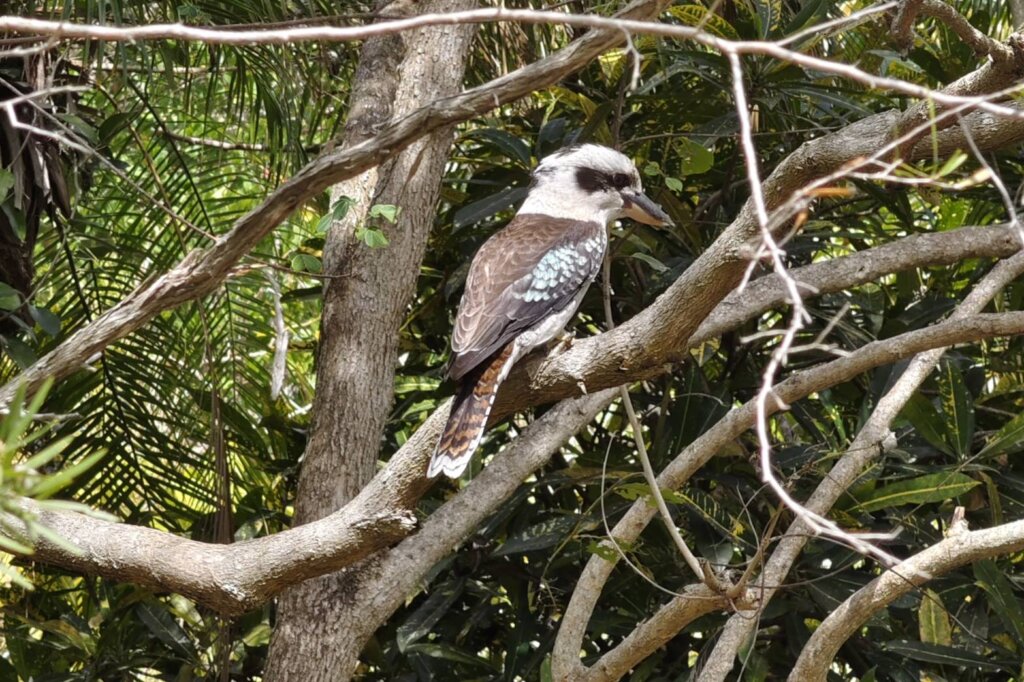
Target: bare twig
641	446
621	23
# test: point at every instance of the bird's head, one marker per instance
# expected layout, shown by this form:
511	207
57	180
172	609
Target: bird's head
591	182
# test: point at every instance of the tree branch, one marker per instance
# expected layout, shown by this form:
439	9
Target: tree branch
846	619
915	251
362	528
642	346
230	579
202	271
235	578
716	273
865	447
694	602
622	23
902	28
565	660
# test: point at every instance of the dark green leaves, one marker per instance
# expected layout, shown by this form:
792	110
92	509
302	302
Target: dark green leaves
920	490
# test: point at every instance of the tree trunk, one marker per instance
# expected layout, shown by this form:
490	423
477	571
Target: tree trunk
1017	14
363	309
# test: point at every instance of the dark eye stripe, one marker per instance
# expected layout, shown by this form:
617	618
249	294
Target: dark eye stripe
592	181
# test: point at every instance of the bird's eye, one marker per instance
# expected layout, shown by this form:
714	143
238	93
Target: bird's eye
620	180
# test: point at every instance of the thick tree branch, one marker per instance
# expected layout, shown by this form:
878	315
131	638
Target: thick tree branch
641	347
918	250
202	271
372	521
845	620
235	578
909	10
694	602
230	579
211	574
713	275
865	447
565	660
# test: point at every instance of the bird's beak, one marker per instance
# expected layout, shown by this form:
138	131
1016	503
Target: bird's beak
641	208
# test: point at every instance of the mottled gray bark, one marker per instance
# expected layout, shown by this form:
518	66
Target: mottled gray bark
364	305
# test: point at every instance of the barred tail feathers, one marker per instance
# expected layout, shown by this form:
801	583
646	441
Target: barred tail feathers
468	418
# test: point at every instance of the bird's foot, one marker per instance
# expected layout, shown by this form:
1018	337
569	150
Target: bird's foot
562	343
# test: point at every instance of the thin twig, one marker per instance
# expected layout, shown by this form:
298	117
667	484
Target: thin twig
703	574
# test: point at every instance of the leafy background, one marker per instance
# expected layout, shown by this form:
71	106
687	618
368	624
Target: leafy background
179	140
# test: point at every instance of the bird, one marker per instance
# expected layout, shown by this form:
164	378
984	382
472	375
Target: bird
528	279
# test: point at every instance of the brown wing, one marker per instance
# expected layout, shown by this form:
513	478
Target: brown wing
531	269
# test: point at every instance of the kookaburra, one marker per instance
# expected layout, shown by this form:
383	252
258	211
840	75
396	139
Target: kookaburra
526	282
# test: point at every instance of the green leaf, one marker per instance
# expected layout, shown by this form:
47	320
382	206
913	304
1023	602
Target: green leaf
633	491
80	126
388	212
920	412
943	655
674	184
694	158
920	490
258	636
450	652
958	407
338	212
112	125
955	160
54	482
1001	597
1008	440
166	629
6	183
10	298
933	620
47	321
305	262
16	218
538	536
473	213
12	546
373	238
20	352
655	264
509	145
420	621
697	15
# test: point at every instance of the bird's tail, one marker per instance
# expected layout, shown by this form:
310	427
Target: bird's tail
470	409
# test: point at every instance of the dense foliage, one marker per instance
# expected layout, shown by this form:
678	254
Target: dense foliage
176	140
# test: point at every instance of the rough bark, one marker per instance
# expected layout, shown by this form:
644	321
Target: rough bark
372	286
